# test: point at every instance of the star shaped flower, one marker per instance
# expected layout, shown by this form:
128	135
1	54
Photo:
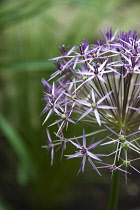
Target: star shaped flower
94	106
86	154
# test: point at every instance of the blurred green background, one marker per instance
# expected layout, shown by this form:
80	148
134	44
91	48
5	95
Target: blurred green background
31	31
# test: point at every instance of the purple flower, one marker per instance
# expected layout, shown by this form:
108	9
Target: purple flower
112	168
52	98
127	164
123	143
94	106
64	118
85	153
49	146
109	36
131	64
61	142
98	85
134	108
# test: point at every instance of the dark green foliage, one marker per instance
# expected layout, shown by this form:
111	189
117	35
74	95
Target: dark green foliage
31	31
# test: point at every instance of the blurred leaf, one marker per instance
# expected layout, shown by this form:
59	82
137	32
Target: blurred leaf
18	145
16	12
3	204
28	66
11	13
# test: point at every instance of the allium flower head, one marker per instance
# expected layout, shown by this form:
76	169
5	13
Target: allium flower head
98	85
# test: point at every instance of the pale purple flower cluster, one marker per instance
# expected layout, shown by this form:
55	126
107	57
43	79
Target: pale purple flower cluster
97	85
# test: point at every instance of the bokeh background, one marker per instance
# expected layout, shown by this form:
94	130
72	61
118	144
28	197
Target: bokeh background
31	31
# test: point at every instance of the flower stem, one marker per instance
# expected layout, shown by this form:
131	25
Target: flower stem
113	201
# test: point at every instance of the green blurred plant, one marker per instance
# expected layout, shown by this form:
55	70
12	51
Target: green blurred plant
30	32
27	169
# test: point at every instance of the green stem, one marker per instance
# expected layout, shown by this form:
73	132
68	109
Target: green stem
113	201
